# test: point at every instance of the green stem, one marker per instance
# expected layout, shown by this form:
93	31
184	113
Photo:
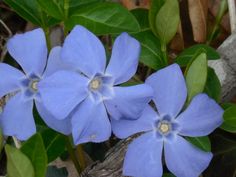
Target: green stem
73	155
136	78
221	11
164	53
47	36
66	13
148	72
81	158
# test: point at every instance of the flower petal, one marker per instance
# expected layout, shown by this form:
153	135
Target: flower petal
62	126
55	62
143	157
129	102
124	128
29	50
17	118
124	59
170	90
62	92
90	123
10	79
185	160
85	51
201	117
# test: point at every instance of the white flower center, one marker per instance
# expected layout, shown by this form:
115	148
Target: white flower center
95	84
34	85
164	127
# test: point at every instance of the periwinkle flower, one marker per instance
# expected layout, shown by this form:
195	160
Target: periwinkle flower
165	129
90	92
30	51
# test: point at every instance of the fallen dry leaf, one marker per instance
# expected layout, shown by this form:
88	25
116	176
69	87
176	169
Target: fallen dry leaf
198	13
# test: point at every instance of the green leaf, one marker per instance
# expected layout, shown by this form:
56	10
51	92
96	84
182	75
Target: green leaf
226	105
167	20
34	149
185	57
201	142
31	11
54	144
56	172
54	8
229	116
196	76
154	9
142	17
213	86
104	18
18	164
76	4
151	49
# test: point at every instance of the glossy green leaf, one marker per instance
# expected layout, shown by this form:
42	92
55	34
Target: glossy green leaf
213	86
104	18
155	6
201	142
34	149
54	8
196	76
185	57
226	105
56	172
31	11
18	164
142	17
78	4
151	49
54	144
229	116
167	20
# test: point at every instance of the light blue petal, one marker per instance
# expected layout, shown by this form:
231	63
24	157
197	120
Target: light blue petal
85	51
202	117
62	92
55	62
10	79
129	102
17	118
185	160
29	50
143	157
62	126
124	59
90	123
124	128
170	90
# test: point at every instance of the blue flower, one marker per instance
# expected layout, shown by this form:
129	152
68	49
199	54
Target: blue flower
164	130
90	91
30	51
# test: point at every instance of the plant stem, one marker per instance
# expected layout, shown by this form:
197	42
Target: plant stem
221	11
47	36
164	53
66	13
73	155
16	142
81	158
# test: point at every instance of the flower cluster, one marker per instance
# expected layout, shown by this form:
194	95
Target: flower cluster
76	92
